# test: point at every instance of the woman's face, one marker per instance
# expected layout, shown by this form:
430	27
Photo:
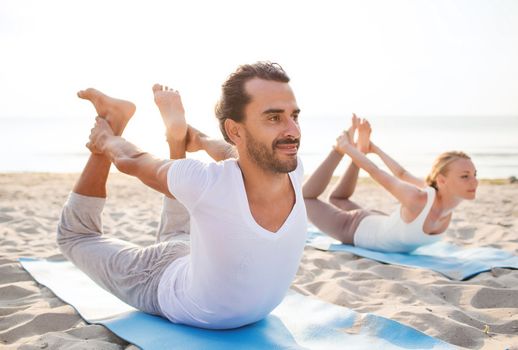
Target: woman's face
461	179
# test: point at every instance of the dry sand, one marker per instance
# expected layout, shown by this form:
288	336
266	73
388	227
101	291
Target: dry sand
31	317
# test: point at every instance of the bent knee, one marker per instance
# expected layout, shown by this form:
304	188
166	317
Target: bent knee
64	241
73	227
311	202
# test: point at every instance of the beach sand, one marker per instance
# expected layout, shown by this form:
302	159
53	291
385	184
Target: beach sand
480	313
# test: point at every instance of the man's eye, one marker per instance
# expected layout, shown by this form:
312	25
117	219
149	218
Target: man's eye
274	118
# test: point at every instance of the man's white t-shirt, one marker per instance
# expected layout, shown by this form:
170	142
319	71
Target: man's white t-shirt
237	271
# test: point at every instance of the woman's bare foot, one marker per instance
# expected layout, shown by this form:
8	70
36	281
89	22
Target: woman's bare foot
117	112
352	129
364	135
170	105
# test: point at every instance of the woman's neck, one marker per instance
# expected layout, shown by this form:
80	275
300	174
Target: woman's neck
445	204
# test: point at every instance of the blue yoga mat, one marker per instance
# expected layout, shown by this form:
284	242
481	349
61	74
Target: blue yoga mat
452	261
299	322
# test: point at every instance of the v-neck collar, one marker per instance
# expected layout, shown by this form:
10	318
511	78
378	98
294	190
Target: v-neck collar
247	213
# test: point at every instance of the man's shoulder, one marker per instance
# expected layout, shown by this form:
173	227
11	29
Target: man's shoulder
190	179
190	165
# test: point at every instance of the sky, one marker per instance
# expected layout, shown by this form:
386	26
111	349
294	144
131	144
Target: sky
372	57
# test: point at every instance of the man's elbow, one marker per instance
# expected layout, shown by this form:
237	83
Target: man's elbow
161	177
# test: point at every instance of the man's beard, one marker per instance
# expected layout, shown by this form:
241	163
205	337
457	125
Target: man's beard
265	157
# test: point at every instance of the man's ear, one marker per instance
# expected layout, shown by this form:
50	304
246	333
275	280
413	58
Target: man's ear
233	130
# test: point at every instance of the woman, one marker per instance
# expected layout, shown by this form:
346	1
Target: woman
425	208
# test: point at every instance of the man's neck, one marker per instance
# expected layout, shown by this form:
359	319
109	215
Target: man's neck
262	184
271	196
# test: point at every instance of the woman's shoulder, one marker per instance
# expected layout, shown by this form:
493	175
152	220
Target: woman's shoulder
419	198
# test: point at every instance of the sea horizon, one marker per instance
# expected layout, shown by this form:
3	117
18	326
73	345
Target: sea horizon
31	144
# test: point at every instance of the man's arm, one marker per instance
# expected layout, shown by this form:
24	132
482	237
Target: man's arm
128	158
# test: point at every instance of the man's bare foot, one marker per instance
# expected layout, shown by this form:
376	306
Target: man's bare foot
117	112
364	135
193	140
170	105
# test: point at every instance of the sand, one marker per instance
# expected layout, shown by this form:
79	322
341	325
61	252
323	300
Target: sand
481	313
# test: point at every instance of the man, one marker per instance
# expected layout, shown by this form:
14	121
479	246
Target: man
247	216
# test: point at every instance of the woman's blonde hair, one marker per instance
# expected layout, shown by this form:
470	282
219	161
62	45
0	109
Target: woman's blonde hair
441	164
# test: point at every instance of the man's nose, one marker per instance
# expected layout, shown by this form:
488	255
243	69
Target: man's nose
292	128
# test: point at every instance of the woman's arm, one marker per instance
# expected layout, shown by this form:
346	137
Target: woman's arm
317	182
396	168
409	195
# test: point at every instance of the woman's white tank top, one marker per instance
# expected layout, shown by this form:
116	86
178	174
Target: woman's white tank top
392	234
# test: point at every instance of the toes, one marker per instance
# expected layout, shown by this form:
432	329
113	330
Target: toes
356	121
83	94
90	94
157	87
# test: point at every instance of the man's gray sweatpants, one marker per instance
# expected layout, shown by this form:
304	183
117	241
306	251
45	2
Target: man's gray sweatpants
130	272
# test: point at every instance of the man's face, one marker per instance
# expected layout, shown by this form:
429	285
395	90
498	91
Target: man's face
272	132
